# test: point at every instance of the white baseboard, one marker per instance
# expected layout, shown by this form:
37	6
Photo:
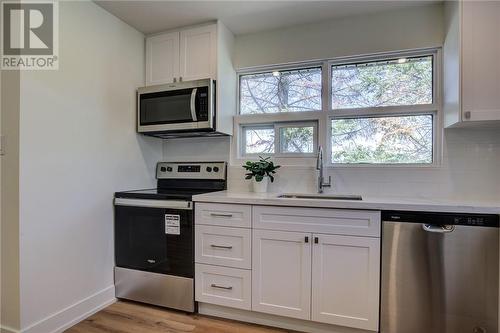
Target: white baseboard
272	320
6	329
73	314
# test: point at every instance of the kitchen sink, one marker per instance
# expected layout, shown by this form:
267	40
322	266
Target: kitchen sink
320	196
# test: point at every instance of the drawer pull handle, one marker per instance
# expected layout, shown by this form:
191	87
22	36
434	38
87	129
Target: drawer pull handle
221	247
221	287
221	215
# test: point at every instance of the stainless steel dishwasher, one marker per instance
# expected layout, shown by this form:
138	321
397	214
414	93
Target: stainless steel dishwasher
439	273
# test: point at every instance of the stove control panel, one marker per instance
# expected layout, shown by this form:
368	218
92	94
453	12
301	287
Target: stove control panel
191	170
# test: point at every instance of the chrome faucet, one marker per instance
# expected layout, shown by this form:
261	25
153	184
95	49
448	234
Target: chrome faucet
319	167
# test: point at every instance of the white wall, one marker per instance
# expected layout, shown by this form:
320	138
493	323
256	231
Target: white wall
77	147
404	29
469	172
471	157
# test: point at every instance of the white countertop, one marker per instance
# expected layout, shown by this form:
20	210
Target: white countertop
377	203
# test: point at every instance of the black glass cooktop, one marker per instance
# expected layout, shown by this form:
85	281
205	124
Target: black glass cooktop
162	194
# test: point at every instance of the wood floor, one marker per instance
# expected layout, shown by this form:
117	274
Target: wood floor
129	317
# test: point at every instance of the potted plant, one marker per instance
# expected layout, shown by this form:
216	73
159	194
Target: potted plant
260	172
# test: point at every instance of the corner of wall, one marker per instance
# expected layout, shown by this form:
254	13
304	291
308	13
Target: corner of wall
10	291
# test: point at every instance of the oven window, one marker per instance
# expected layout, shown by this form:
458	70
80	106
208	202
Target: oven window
166	107
141	241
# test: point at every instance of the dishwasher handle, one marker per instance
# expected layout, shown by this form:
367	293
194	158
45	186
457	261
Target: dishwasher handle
440	229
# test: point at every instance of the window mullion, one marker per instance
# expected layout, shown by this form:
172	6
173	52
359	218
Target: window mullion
323	126
277	145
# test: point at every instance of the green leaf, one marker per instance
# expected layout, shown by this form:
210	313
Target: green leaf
259	169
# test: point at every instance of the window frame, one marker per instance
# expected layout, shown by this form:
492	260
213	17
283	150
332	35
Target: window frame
324	117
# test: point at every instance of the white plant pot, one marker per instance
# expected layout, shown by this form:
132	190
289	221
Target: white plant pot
260	187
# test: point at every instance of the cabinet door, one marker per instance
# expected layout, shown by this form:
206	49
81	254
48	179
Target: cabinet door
345	281
162	58
480	63
281	273
198	53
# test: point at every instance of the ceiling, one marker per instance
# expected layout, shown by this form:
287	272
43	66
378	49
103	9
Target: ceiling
242	17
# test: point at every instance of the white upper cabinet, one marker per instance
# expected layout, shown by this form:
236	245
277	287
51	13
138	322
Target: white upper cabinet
198	53
345	281
471	67
189	54
162	58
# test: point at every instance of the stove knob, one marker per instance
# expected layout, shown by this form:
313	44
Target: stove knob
169	169
216	169
163	169
209	169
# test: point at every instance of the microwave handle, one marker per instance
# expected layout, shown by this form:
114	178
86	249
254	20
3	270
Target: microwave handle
193	106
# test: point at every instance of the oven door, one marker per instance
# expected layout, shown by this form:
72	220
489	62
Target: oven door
176	107
154	236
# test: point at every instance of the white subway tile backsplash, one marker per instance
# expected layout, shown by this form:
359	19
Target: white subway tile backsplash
470	170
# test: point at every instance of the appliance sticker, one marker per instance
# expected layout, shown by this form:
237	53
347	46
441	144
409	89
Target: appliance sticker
172	224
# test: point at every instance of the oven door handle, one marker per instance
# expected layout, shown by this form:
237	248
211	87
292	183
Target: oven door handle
167	204
193	104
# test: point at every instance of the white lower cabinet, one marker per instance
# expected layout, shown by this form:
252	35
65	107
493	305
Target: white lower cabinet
223	246
281	273
223	286
319	265
345	281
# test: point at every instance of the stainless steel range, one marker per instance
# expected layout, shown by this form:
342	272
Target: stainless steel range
154	233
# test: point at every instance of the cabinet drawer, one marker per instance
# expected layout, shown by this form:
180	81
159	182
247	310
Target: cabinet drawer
223	286
225	215
318	220
223	246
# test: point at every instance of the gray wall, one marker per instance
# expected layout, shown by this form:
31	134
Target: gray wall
9	305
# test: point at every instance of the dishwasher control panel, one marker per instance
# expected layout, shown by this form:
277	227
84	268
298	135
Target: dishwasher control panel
477	220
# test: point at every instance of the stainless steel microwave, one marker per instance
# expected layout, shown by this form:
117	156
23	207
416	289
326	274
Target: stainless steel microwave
182	107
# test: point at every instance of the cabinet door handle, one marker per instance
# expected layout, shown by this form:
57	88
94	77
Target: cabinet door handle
213	285
221	215
316	240
306	239
221	247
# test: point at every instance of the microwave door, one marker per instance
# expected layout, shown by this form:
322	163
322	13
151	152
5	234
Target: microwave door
167	110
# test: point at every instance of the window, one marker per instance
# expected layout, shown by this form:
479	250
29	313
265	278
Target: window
381	111
293	139
363	134
281	91
298	139
259	140
403	81
386	140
